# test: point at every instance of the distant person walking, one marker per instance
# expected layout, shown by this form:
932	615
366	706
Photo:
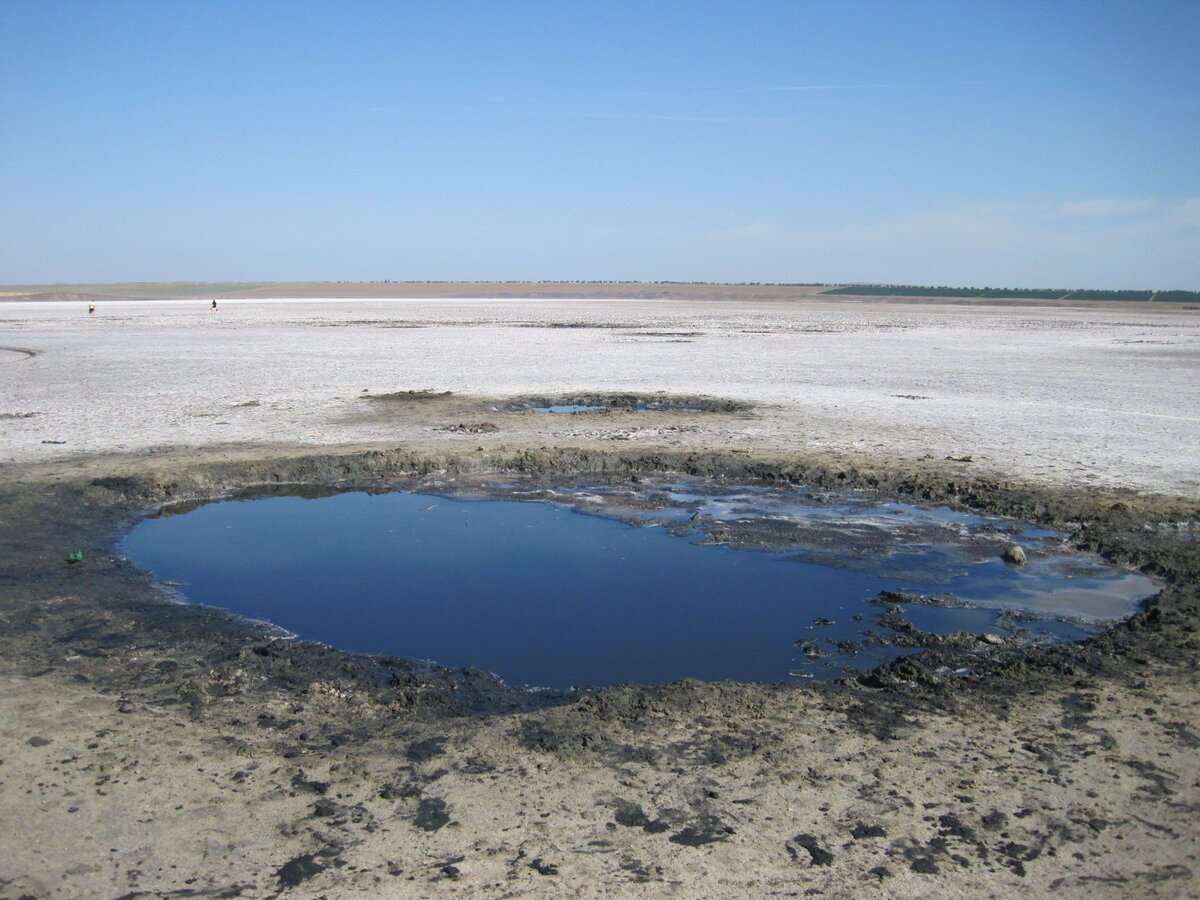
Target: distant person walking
91	308
214	306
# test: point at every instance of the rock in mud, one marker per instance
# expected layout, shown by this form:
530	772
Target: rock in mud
1014	554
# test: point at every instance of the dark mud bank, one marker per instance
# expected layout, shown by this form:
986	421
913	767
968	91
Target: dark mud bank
103	622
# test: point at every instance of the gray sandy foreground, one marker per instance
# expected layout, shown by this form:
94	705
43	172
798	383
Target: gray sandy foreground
153	749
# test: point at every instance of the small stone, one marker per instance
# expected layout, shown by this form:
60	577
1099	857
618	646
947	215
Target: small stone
1014	554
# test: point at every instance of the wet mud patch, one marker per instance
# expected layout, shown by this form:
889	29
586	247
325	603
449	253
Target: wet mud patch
610	415
1127	530
640	588
438	410
583	403
409	396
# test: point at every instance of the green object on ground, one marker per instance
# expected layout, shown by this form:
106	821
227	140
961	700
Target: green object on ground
75	556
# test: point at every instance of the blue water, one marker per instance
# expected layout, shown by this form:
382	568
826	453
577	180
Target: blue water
538	593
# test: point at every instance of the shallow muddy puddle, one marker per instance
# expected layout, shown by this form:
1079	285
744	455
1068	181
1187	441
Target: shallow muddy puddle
561	408
621	403
601	584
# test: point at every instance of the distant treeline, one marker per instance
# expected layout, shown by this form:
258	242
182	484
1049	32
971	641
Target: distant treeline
914	290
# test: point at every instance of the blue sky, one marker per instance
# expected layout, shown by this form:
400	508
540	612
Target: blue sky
1009	143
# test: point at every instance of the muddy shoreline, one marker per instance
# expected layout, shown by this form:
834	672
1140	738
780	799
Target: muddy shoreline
1071	768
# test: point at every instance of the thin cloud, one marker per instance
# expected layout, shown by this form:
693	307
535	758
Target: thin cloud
1186	213
1102	208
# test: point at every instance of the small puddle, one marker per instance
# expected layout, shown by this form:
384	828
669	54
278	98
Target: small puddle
636	407
666	579
656	403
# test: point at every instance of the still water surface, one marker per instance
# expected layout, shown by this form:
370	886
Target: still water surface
544	595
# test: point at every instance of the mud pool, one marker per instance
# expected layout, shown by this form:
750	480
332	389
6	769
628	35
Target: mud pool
580	408
621	403
583	584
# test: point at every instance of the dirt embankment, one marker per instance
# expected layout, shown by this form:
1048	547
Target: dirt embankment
154	749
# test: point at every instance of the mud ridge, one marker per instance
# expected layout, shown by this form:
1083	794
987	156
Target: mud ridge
1134	531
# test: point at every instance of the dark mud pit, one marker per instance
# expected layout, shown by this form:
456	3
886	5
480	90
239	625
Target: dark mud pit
564	582
153	747
448	412
618	403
